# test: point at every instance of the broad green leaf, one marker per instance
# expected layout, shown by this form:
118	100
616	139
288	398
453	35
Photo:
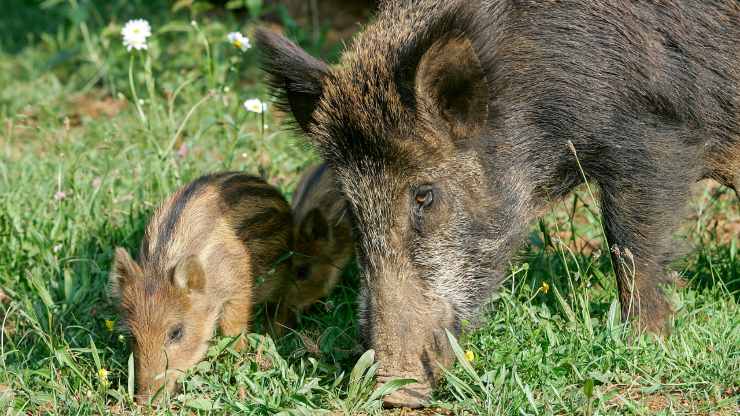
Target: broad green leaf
200	403
460	355
389	387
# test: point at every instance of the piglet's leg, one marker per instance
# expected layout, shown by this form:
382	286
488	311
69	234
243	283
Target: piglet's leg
235	319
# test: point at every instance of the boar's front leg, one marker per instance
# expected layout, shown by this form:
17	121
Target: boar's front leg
640	216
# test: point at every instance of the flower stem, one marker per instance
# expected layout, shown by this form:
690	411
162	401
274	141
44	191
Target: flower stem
151	89
185	120
262	122
209	58
133	91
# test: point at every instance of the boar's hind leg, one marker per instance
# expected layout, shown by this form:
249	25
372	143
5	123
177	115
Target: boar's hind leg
235	320
640	217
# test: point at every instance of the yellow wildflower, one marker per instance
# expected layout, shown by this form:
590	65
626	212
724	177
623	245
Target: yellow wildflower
103	376
109	325
469	355
545	287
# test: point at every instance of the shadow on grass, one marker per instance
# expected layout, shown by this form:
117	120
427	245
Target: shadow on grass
715	267
713	262
326	331
710	266
25	22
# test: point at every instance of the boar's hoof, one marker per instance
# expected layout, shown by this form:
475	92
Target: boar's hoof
412	396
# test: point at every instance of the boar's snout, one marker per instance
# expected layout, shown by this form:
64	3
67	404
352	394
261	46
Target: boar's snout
406	326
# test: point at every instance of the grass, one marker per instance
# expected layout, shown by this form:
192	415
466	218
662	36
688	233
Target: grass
81	172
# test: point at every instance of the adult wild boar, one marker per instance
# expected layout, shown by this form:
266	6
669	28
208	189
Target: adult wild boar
447	124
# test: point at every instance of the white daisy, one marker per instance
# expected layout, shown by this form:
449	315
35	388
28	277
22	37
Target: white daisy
254	105
239	41
135	43
135	34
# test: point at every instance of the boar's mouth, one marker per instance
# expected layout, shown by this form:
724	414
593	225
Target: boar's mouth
425	368
413	395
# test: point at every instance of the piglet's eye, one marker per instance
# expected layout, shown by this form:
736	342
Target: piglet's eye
303	272
424	197
175	334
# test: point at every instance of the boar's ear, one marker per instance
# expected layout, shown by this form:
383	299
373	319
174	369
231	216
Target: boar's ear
451	86
189	274
315	227
123	271
294	76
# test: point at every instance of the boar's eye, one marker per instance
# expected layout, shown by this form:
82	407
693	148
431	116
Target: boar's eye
424	197
175	334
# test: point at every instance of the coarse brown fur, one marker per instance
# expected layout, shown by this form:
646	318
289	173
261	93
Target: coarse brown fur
450	125
323	243
211	251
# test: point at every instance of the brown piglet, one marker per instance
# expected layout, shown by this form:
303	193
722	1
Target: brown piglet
211	251
323	244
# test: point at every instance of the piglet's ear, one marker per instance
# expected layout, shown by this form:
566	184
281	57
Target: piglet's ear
451	86
123	271
189	274
315	227
294	76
